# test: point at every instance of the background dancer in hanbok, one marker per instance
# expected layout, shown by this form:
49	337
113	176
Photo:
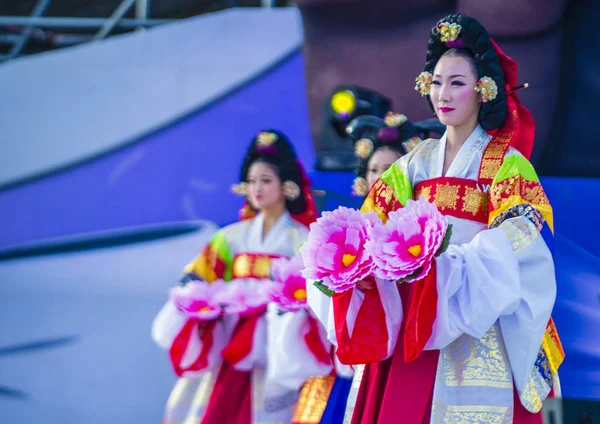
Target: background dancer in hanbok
378	143
472	341
251	368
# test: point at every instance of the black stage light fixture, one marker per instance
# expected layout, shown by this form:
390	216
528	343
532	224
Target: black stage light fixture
335	150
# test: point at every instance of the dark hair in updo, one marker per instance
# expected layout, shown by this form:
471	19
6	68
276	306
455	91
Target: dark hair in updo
477	46
281	157
367	126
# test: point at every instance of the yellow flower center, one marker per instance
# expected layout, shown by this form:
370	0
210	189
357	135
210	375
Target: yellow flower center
205	309
415	250
299	294
348	259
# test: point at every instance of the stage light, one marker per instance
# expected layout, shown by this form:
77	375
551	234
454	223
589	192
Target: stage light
335	151
343	103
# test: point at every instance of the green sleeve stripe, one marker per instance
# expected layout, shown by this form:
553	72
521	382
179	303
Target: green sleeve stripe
516	165
395	178
220	246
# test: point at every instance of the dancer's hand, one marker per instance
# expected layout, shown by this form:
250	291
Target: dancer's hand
364	285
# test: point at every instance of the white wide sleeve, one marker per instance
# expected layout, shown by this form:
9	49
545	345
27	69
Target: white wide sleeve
322	308
505	274
290	360
167	324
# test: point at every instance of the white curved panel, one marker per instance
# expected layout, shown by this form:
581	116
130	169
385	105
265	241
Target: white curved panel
104	301
61	107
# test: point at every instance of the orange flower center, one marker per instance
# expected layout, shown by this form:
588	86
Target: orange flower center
299	294
205	309
348	259
415	250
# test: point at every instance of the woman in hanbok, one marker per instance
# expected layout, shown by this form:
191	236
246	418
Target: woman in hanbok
263	367
473	341
378	143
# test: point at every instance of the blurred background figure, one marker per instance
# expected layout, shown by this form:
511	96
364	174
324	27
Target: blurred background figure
378	143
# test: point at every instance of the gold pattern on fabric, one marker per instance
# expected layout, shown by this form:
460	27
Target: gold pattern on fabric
242	266
495	151
446	196
530	397
472	362
359	372
475	414
251	266
387	194
516	201
553	347
474	201
538	385
521	232
426	192
358	376
489	168
262	267
381	200
313	400
531	191
371	205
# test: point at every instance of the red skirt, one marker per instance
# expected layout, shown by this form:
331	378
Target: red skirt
393	389
231	398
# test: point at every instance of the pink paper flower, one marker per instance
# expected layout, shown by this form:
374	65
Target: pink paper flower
334	252
289	291
244	296
196	300
403	249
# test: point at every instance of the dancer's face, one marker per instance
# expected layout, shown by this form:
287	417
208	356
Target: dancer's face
453	94
264	187
380	161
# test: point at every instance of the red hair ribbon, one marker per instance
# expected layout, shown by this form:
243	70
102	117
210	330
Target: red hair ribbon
519	118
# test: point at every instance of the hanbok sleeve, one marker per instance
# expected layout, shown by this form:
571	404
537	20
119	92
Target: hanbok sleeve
506	275
297	348
213	263
193	346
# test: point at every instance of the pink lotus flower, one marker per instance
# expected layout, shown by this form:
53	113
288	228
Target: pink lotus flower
289	291
403	249
244	296
334	253
196	300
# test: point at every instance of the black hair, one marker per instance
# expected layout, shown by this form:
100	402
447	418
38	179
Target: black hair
281	156
367	126
477	42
